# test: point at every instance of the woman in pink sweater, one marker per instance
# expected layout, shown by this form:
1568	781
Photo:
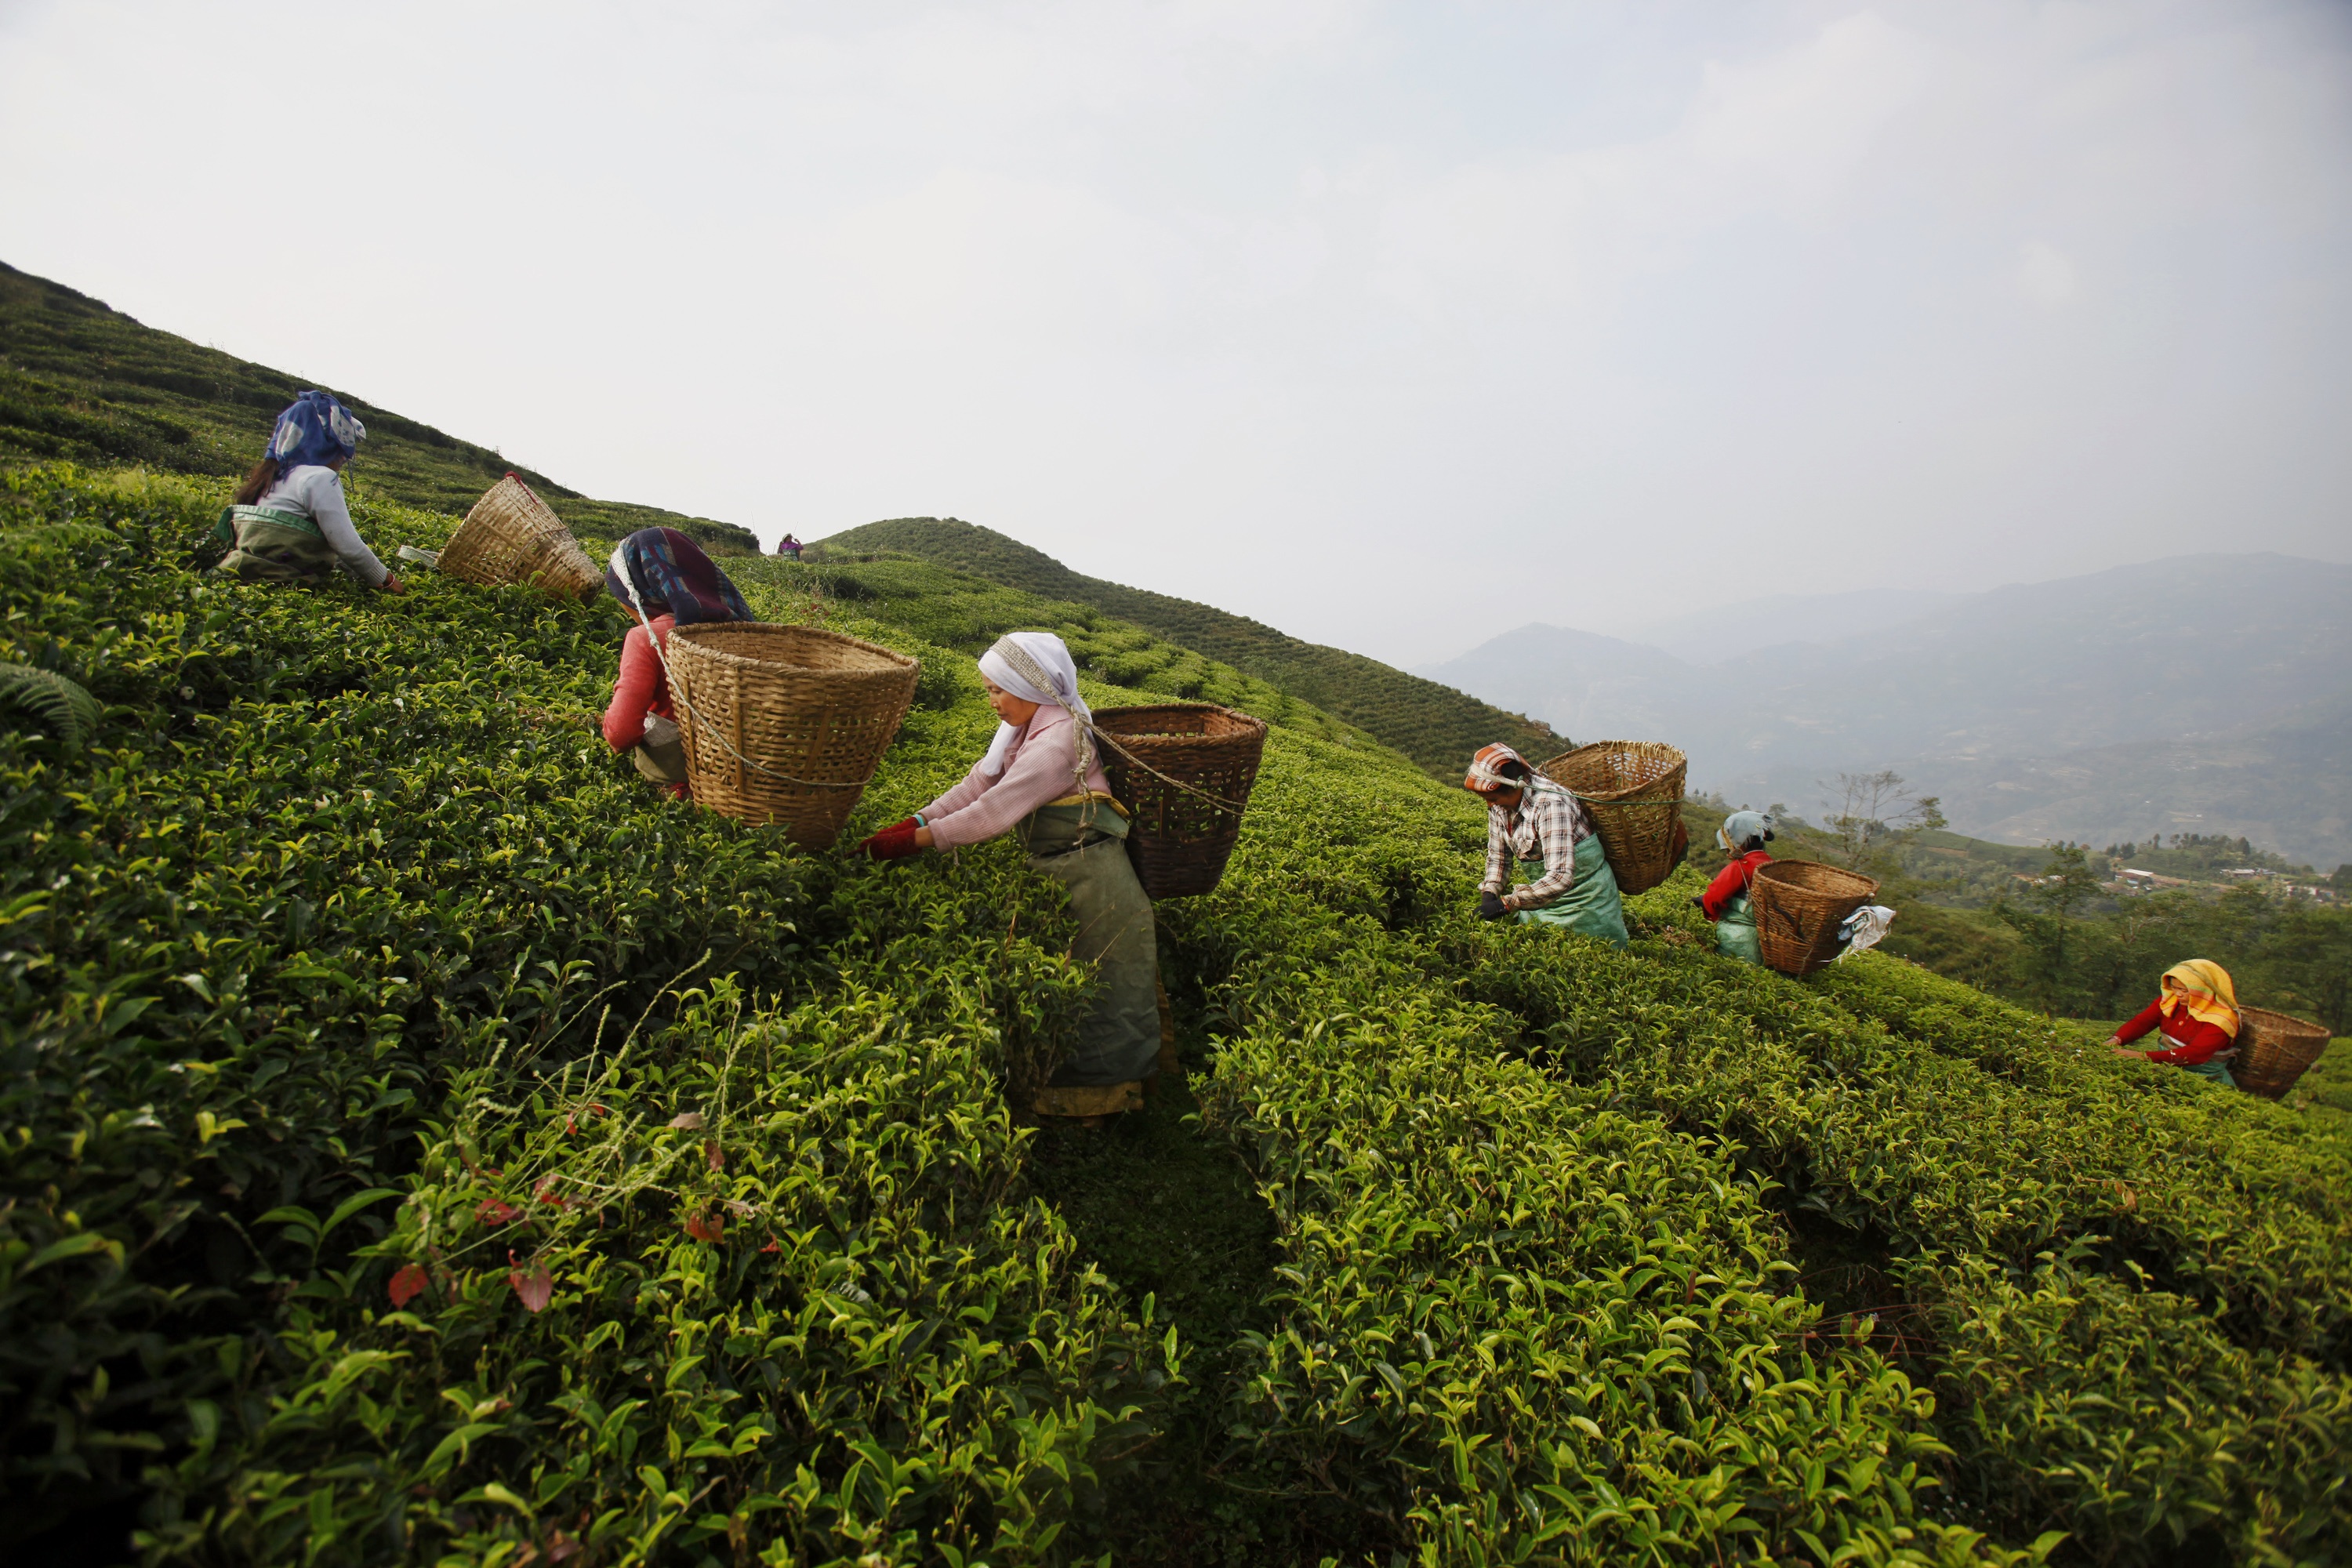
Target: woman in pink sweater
1043	780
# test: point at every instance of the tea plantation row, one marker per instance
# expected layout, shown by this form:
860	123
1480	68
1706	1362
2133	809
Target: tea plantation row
424	1144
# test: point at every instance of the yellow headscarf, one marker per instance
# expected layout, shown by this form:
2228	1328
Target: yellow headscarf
2202	987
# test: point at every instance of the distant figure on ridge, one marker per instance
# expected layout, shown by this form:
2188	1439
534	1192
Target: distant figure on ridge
287	521
667	581
1743	836
1043	780
790	547
1551	834
2196	1010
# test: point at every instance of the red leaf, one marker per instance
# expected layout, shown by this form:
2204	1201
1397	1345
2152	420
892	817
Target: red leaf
494	1212
407	1284
706	1227
772	1245
710	1155
545	1192
535	1289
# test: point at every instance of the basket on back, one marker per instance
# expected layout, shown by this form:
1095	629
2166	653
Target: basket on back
1799	906
1633	792
784	725
2273	1049
1185	777
511	536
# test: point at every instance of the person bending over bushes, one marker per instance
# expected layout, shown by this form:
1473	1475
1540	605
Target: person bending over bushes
1743	836
666	581
1552	836
1043	780
287	521
2196	1009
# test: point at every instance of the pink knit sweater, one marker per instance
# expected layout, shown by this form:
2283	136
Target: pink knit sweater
1037	769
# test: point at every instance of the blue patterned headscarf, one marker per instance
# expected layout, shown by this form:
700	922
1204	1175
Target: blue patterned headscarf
661	572
315	430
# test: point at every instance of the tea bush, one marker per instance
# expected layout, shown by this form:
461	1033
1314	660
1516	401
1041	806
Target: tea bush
425	1142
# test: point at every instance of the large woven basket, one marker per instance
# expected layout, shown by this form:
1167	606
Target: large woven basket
1186	775
2273	1049
1633	792
511	536
1799	906
784	725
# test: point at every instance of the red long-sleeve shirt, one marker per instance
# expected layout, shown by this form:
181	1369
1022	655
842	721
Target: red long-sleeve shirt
641	687
2192	1038
1731	881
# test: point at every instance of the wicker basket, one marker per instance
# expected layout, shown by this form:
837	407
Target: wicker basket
1634	790
784	725
511	536
1178	841
1799	905
2273	1049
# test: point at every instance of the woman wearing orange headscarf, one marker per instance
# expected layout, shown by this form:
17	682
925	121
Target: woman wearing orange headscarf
2197	1009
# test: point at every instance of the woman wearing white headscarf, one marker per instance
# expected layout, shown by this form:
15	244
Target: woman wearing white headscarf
1043	780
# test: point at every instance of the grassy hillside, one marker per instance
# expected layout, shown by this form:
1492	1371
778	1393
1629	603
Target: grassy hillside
81	381
425	1143
1434	725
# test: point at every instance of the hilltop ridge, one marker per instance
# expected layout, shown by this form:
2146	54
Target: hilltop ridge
1435	725
83	381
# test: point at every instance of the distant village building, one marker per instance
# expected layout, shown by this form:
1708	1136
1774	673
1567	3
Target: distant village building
2133	880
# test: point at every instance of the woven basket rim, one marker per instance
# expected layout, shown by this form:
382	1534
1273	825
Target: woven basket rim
1649	789
1103	715
894	663
2273	1022
1766	871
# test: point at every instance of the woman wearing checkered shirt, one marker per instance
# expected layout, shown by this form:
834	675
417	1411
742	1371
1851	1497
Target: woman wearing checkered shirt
1548	830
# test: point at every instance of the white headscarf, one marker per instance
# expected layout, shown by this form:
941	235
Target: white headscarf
1044	654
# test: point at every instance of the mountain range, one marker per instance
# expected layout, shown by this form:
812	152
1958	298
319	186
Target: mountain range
2203	694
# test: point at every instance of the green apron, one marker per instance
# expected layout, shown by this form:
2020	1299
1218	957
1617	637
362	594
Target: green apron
1591	905
270	546
1735	932
1083	846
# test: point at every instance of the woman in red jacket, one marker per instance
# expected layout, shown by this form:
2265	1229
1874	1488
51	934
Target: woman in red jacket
666	581
1742	835
2197	1010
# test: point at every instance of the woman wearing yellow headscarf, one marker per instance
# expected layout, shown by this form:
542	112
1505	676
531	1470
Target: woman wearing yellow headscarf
2197	1009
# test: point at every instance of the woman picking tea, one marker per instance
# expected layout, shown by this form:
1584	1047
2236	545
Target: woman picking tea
289	521
1551	835
1743	835
2195	1014
666	581
1042	781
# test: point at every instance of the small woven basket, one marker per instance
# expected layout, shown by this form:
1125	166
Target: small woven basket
2273	1049
784	725
1799	906
1178	841
511	536
1634	791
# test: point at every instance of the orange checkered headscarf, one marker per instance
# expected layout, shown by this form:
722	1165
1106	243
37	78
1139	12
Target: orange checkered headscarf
1486	775
2201	988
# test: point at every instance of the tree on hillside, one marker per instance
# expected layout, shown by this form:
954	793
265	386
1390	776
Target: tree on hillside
1872	815
2046	920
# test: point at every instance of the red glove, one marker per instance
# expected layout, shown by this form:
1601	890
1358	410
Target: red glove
894	842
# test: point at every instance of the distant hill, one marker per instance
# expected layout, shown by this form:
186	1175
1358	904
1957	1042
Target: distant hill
1708	636
82	382
1435	725
2107	707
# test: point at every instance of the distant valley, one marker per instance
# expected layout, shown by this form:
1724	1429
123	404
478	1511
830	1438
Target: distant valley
2207	694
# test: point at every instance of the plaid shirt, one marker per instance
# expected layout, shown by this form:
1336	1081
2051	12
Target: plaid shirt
1546	824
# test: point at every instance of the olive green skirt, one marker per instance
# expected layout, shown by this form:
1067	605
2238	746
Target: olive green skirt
1084	849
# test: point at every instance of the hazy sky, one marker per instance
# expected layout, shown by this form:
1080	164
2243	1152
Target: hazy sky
1393	325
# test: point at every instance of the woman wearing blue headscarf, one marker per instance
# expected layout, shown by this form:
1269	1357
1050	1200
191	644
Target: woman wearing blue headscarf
289	523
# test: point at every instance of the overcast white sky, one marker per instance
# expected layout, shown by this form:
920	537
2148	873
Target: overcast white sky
1393	325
